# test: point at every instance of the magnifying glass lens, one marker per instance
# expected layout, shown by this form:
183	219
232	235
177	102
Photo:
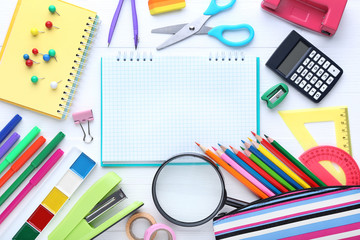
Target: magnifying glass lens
189	189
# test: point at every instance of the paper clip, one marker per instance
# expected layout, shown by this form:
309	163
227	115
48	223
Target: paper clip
81	117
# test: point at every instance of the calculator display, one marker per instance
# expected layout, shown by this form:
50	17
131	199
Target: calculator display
293	58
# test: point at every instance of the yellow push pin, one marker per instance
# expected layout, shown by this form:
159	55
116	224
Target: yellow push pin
35	31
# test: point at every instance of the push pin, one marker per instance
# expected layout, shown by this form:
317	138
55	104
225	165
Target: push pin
50	25
81	117
35	51
28	61
54	84
35	79
52	9
35	31
52	53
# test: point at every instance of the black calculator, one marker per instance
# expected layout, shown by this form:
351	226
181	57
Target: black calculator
305	67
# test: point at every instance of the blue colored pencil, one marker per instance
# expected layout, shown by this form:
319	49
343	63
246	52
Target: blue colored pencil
250	170
275	168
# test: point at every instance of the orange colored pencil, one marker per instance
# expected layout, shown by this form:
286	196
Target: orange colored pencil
22	160
233	172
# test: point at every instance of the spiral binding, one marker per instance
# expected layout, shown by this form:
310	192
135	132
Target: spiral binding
131	56
230	56
79	63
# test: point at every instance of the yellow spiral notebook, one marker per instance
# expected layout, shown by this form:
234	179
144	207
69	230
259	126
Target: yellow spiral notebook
71	43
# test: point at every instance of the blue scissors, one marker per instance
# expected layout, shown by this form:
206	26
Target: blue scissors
183	31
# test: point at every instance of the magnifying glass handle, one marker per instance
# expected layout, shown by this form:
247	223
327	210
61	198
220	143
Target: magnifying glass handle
235	202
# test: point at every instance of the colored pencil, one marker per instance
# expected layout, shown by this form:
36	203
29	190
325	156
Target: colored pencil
265	172
243	172
295	161
232	171
250	170
272	173
32	183
280	164
275	168
286	161
22	160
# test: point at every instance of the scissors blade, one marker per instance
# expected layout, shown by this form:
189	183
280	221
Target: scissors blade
175	28
185	32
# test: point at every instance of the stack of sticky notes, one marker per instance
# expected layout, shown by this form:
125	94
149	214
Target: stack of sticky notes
161	6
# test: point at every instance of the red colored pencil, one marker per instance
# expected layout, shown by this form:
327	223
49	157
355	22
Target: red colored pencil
286	161
259	170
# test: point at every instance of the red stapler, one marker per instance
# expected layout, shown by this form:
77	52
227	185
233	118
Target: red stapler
322	16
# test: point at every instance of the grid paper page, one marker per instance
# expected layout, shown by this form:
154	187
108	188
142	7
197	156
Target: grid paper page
154	109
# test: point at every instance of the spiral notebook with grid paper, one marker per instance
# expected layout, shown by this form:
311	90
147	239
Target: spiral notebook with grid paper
154	107
71	42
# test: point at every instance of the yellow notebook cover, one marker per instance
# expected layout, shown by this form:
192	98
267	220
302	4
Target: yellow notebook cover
71	43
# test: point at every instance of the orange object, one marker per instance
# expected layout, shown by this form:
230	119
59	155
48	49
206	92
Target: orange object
22	160
233	172
162	6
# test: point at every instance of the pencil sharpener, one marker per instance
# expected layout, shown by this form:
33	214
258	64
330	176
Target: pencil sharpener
275	95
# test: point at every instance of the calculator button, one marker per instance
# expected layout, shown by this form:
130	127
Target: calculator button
298	80
314	80
293	77
326	65
325	76
312	91
314	69
330	80
317	96
307	88
309	76
320	72
306	61
333	70
312	54
310	65
300	69
317	57
321	61
302	84
318	84
304	72
323	88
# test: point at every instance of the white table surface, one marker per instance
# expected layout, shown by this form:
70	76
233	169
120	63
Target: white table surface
343	48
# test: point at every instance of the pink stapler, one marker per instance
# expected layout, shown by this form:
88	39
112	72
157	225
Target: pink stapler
322	16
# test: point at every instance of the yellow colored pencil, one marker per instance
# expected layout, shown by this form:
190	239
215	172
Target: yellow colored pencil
280	164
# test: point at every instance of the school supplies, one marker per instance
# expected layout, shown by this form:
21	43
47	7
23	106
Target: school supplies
275	95
32	183
264	188
71	42
82	117
347	173
322	16
317	213
33	165
286	161
295	161
22	160
162	6
184	31
150	233
130	224
10	126
19	148
75	225
156	106
134	19
81	167
305	67
296	119
232	171
8	144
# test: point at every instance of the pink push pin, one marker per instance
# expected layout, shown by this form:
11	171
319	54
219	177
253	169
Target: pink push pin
82	117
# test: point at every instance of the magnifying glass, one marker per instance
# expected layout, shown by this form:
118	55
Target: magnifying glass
189	190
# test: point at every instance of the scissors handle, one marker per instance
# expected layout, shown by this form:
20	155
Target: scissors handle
219	31
214	8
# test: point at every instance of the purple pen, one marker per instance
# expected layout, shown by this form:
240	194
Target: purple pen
8	144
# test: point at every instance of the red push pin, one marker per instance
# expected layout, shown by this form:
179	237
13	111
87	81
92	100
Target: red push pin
35	51
29	63
50	25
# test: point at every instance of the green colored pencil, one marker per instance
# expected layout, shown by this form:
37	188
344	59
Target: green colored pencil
295	161
267	169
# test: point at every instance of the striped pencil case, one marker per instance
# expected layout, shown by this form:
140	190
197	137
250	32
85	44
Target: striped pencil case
316	213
